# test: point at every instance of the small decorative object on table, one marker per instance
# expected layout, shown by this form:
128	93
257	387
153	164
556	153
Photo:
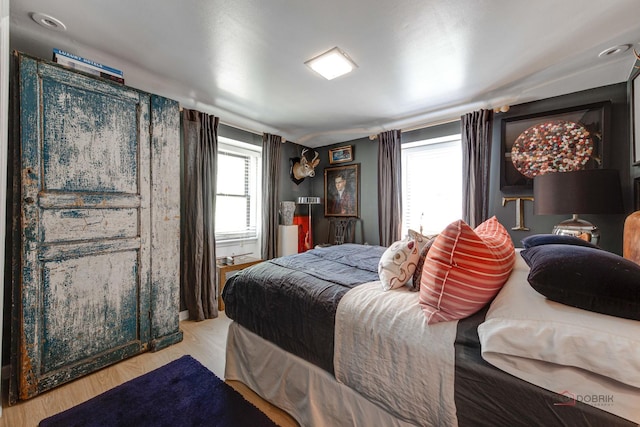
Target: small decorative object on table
287	210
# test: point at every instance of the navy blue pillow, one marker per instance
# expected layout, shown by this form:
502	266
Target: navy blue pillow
554	239
587	278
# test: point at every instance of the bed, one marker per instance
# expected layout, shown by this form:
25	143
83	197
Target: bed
318	336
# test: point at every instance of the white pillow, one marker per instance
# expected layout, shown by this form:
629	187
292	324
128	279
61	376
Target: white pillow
523	326
398	263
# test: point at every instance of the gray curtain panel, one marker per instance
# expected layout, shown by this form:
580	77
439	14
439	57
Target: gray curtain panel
271	153
199	171
389	186
476	156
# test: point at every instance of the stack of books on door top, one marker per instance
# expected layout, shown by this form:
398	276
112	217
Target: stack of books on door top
88	66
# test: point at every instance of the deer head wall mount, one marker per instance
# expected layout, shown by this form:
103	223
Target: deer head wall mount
301	167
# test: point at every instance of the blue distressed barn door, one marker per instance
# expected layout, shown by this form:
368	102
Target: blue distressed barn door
86	225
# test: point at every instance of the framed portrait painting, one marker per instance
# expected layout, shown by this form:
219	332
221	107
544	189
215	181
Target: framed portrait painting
556	141
342	191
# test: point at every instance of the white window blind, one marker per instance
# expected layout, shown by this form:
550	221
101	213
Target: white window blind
431	184
238	190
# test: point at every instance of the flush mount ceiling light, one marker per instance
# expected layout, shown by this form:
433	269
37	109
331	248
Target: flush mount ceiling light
614	50
48	21
331	64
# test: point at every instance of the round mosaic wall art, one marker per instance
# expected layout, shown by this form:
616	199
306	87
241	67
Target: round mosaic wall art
553	146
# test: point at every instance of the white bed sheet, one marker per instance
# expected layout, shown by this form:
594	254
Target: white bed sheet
386	351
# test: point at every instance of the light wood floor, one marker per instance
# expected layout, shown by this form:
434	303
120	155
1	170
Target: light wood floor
204	341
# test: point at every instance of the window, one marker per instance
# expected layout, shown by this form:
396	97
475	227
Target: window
238	190
431	184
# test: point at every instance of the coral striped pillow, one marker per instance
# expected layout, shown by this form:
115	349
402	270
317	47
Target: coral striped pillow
465	269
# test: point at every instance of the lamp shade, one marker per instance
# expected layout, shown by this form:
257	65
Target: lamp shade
590	191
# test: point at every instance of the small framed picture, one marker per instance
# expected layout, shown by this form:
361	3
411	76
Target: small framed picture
340	154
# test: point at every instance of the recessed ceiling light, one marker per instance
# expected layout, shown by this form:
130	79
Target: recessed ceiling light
614	50
331	64
48	21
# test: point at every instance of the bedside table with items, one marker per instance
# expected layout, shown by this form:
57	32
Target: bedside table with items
238	264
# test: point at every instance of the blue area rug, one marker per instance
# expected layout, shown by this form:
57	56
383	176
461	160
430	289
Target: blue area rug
181	393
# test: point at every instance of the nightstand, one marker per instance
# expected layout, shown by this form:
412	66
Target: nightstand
224	269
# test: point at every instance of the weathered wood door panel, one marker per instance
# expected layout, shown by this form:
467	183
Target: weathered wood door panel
86	188
81	326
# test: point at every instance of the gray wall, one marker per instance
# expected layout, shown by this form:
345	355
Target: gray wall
289	190
616	155
438	131
365	153
239	135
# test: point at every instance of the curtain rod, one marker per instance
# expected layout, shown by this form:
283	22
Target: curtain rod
422	126
502	109
255	132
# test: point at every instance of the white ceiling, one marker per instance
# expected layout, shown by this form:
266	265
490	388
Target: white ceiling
420	61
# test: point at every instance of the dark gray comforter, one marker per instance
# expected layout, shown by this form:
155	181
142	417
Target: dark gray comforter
291	299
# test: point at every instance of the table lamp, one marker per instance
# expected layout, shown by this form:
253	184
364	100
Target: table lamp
590	191
308	239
